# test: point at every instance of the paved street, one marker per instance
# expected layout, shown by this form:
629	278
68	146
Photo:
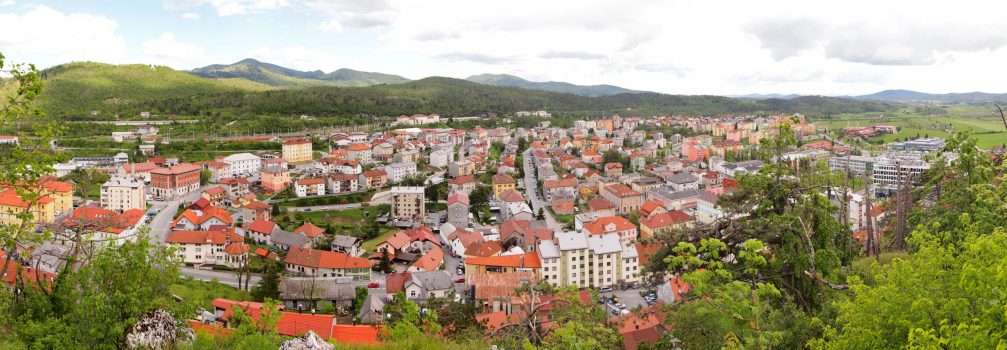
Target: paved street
161	224
225	277
531	191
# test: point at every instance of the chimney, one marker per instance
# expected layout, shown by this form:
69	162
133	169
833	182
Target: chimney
521	261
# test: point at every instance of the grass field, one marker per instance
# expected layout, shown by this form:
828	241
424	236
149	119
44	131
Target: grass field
987	128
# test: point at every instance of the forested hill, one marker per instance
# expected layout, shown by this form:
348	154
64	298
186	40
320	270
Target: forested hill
554	86
75	90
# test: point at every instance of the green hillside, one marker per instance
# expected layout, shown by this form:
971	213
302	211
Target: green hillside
76	89
274	75
449	96
554	86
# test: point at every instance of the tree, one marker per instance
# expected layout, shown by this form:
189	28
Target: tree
269	285
941	297
540	215
204	177
385	264
359	300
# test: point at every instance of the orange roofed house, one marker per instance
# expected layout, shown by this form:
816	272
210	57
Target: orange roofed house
55	199
322	263
528	262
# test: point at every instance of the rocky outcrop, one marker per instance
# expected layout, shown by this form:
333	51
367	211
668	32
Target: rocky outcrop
155	330
308	341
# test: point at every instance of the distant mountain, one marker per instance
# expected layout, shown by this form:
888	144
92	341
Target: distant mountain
554	86
274	75
916	96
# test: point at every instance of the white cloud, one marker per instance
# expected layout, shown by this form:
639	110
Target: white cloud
4	3
45	32
190	15
167	50
228	7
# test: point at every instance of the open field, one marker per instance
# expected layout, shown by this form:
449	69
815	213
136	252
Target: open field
987	128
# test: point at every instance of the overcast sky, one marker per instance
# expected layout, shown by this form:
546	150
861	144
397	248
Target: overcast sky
683	47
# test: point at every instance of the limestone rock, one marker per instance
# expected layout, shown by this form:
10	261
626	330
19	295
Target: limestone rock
308	341
155	330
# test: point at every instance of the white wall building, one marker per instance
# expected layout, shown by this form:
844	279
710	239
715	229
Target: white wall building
244	164
121	193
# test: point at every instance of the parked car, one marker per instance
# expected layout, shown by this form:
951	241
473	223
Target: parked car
460	280
605	289
373	285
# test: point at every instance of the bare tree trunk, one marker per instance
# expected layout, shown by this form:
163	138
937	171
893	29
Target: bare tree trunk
868	212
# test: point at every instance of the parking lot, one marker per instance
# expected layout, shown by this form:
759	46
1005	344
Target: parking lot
631	298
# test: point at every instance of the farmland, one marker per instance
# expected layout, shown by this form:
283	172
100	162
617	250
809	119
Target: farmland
987	128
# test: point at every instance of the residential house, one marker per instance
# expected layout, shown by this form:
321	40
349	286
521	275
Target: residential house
275	178
203	220
321	263
373	179
347	244
224	248
617	225
309	187
625	199
243	164
502	182
663	222
458	209
342	183
464	184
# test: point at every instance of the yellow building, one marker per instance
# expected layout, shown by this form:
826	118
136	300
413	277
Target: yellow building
55	199
12	205
501	183
298	150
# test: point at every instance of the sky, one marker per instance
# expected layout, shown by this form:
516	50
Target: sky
714	47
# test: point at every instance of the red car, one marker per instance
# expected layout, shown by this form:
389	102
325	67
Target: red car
460	280
373	285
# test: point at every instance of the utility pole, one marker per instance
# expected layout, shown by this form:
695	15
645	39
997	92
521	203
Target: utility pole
870	245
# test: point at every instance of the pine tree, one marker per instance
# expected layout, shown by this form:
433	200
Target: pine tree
269	286
385	264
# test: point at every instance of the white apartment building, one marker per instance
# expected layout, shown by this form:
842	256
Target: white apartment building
309	187
408	203
122	193
244	164
208	247
887	173
857	165
592	261
440	158
398	171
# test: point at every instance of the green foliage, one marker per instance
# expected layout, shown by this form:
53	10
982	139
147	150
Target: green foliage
942	297
114	289
269	285
408	320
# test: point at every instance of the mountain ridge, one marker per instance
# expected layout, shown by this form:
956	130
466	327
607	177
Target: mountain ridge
279	76
509	80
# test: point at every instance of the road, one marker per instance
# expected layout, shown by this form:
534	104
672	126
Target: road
531	191
161	224
224	277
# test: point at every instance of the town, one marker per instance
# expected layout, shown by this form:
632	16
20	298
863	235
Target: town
467	216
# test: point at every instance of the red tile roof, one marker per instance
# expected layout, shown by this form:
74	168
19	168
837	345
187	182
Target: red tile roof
261	226
395	282
527	260
294	324
484	249
674	217
503	179
600	225
324	259
621	190
309	230
311	181
296	142
596	204
458	197
649	206
200	237
359	334
430	261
